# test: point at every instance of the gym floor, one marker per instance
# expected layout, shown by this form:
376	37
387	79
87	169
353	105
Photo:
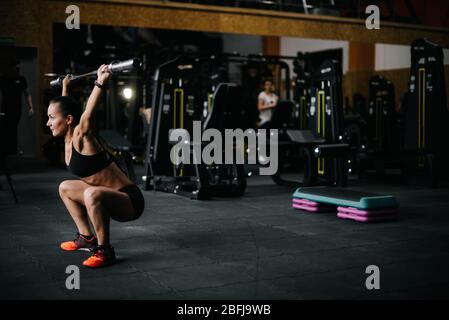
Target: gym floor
254	247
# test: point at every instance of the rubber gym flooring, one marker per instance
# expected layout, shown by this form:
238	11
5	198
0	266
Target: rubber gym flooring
255	247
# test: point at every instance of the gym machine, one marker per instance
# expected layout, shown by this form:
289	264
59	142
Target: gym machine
301	95
178	101
326	119
426	114
382	148
326	154
381	117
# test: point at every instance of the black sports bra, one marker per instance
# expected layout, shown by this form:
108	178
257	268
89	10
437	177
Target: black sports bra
85	166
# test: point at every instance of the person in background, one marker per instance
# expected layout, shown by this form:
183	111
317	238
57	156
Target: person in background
12	87
267	101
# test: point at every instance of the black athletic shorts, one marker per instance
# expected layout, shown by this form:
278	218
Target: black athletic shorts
136	197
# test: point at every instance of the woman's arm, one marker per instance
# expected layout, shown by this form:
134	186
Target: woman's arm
265	106
86	119
261	104
65	85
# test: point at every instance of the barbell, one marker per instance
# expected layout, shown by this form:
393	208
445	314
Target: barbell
114	68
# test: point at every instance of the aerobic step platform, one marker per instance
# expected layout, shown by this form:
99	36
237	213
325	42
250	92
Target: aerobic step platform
349	204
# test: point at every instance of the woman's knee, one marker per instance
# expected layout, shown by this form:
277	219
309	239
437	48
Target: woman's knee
64	188
92	196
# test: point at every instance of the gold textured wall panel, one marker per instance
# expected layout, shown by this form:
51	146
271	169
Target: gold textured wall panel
156	14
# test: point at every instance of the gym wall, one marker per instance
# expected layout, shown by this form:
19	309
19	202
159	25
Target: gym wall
30	23
290	47
244	44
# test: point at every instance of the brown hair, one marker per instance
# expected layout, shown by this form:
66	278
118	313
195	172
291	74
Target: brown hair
68	106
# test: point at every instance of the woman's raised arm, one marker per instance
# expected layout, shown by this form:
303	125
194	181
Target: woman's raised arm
86	119
65	85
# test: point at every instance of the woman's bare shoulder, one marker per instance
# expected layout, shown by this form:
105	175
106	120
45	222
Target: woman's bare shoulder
80	139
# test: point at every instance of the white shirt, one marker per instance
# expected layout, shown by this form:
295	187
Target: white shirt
267	99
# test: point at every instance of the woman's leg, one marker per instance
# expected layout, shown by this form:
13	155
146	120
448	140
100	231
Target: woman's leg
101	204
72	194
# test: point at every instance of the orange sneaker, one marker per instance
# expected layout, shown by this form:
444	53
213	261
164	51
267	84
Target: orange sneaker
81	243
102	256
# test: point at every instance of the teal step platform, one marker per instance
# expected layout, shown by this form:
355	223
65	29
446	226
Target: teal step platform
342	197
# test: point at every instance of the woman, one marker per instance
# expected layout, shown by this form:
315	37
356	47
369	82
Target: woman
104	191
